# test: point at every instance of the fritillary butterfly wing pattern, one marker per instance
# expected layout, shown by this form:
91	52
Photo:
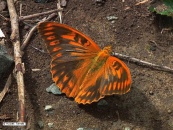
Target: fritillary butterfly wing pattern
80	68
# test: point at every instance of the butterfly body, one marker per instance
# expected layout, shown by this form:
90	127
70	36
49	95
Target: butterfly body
80	68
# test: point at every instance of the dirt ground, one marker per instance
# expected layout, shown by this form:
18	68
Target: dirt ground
149	104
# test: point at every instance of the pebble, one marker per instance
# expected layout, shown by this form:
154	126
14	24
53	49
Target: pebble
113	21
102	103
127	128
50	125
151	93
110	18
63	3
169	111
40	124
80	128
48	108
53	89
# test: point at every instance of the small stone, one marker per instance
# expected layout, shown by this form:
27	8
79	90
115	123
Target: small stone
48	108
63	3
169	111
40	124
113	21
50	125
127	128
151	93
53	89
102	103
80	128
110	18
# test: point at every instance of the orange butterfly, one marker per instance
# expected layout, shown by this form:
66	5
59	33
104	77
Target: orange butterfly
80	68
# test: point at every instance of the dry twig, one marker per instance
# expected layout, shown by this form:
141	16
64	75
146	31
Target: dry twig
145	63
33	29
4	117
19	67
38	14
7	85
157	45
6	19
142	2
59	12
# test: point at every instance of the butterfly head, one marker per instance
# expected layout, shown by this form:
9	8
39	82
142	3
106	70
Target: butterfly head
107	49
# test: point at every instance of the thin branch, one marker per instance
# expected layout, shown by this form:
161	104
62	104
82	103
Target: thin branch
33	30
19	67
60	12
157	45
6	19
4	117
142	2
7	85
20	12
42	51
38	14
145	63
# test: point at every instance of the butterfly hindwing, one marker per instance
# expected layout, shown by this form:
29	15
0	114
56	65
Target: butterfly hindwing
113	78
117	77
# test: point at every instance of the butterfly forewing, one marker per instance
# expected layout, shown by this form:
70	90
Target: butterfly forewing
71	52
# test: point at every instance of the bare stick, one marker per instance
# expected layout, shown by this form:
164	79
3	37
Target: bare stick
20	9
151	65
142	2
33	30
7	85
42	51
157	45
19	67
38	14
60	12
6	19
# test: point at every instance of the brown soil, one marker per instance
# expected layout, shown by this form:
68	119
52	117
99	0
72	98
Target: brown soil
149	104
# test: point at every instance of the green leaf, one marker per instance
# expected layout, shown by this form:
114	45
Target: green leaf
164	7
168	3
